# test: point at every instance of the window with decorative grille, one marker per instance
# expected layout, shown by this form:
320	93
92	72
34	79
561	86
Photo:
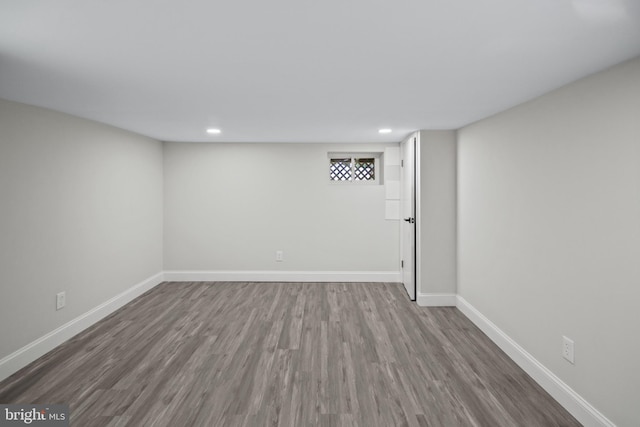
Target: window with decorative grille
340	169
352	168
364	169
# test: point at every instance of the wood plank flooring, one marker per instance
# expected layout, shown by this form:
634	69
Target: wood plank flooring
284	354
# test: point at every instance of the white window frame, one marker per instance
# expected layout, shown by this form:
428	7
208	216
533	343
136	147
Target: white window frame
377	167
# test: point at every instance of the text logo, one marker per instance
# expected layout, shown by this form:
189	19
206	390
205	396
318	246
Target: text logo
34	415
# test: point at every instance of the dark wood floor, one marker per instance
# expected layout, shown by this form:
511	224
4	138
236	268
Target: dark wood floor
284	354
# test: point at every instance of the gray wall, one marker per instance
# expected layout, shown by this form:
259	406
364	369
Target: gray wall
549	231
231	206
81	212
437	212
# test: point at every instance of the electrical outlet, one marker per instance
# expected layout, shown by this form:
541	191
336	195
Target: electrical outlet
61	300
567	349
279	256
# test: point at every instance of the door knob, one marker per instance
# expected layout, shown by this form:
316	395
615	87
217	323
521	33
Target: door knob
410	220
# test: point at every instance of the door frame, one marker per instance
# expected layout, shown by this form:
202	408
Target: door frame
418	215
417	210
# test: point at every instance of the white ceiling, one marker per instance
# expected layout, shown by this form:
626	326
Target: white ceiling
302	70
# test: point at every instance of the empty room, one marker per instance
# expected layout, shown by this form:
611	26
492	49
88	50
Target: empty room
320	213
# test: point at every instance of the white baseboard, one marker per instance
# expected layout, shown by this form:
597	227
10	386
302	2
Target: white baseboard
32	351
565	395
282	276
436	300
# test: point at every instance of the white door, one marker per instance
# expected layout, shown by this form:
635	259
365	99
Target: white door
408	212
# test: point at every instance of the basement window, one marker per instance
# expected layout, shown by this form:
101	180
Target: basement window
354	168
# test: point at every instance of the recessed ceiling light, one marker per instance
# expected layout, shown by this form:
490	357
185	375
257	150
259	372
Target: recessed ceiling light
213	131
385	130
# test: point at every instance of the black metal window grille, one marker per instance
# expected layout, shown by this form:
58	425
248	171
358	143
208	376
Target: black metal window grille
352	169
340	170
364	169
